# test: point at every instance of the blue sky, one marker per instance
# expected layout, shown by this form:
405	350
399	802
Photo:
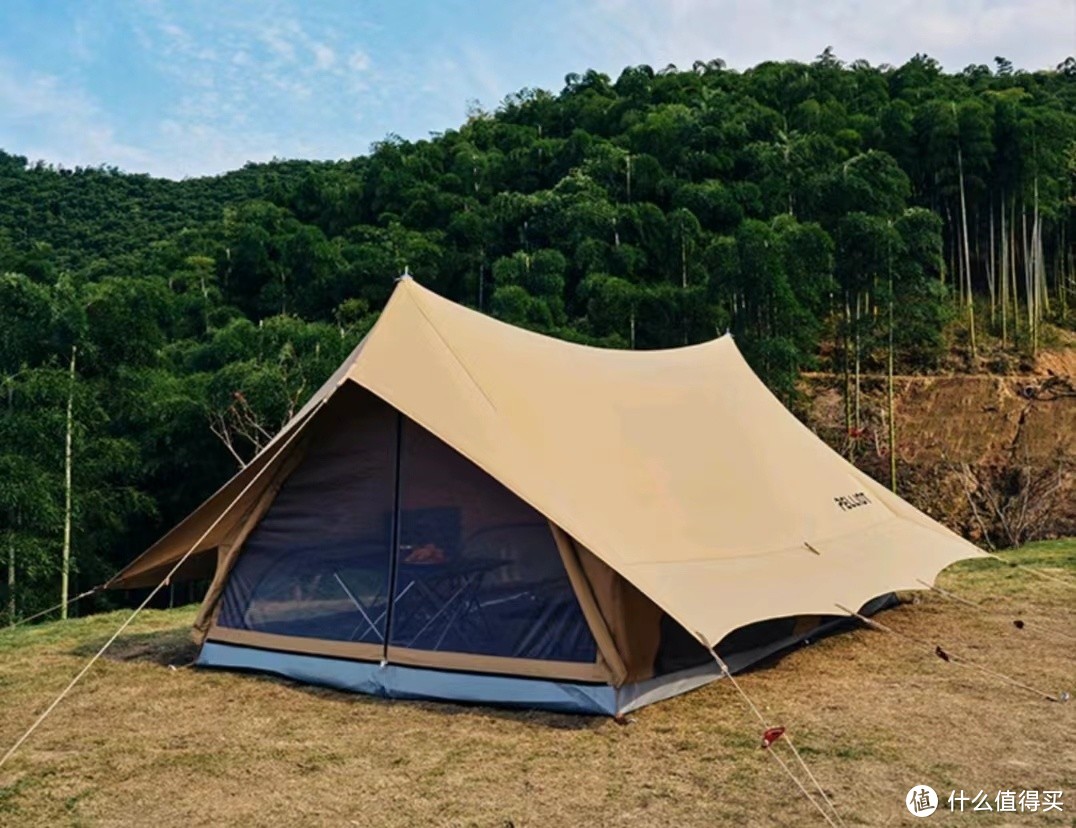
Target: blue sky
192	87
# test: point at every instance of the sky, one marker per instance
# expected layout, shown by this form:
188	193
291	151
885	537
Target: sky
182	88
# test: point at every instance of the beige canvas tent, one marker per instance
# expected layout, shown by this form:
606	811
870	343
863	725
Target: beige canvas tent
471	511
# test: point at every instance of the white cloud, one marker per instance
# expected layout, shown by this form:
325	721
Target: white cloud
280	40
359	61
47	119
176	34
483	74
201	148
324	56
226	82
82	41
1034	34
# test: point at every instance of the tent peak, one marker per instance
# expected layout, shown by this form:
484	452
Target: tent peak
443	313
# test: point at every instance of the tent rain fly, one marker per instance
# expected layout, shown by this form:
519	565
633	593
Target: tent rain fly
470	511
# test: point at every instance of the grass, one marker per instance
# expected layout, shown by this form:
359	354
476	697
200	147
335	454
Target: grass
144	740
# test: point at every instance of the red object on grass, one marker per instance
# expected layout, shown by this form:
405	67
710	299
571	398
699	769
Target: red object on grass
772	735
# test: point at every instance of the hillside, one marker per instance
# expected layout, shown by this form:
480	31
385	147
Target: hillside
992	455
828	215
147	739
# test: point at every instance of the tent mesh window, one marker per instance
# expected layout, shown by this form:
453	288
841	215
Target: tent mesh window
477	569
317	565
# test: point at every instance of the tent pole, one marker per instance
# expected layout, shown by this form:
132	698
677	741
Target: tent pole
584	594
395	548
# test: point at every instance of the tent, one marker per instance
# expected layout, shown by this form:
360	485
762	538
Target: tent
474	512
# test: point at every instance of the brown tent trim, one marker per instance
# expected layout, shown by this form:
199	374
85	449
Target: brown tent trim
457	662
228	553
354	650
591	612
633	619
503	665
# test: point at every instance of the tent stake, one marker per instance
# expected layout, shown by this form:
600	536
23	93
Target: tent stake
773	734
1018	622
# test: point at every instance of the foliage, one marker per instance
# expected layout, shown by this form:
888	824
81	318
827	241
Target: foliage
789	204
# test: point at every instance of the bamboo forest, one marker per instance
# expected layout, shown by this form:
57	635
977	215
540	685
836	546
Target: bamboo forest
833	217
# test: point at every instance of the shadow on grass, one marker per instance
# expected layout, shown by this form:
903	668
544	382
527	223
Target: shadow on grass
166	648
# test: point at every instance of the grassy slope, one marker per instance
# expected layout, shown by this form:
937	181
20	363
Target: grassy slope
141	743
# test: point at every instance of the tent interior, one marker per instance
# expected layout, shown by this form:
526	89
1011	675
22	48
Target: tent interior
378	544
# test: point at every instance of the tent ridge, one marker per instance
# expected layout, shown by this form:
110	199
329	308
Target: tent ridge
635	356
451	350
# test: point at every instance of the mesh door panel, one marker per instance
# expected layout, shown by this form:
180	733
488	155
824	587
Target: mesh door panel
317	565
478	570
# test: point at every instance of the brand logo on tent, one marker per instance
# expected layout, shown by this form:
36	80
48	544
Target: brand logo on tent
922	801
853	501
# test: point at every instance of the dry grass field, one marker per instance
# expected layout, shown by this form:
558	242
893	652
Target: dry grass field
144	742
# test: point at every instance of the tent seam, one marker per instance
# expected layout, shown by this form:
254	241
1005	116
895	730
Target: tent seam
452	351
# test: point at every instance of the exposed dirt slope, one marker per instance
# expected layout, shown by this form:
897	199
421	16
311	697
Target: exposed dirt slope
992	455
